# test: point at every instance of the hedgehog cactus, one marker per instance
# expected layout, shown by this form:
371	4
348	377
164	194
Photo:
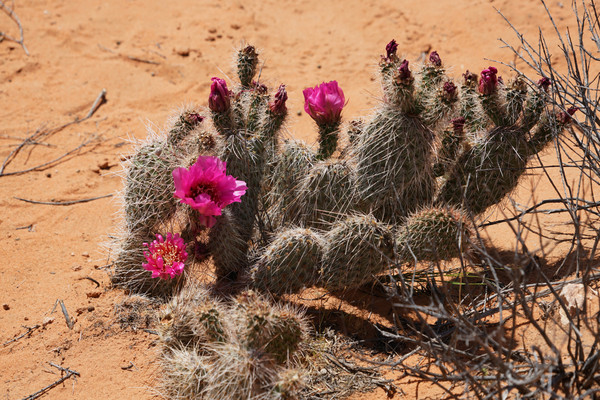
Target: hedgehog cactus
432	156
281	216
358	248
290	263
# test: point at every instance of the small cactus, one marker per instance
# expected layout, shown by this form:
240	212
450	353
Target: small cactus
276	330
357	249
325	194
433	234
192	319
291	262
184	375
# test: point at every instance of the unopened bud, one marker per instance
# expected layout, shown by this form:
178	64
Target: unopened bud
435	59
277	106
218	100
449	92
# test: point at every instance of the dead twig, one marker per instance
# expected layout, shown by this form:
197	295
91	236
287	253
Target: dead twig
101	99
40	133
68	319
90	279
69	373
132	58
63	203
10	12
49	163
29	330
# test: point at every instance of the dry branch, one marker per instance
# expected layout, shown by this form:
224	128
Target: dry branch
10	12
63	203
69	373
40	133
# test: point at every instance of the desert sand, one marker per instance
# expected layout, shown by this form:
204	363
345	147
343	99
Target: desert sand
151	58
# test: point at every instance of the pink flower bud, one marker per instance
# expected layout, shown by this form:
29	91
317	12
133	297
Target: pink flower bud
565	117
218	100
259	87
544	83
470	79
193	118
324	103
404	75
449	91
391	49
458	124
277	106
435	59
488	81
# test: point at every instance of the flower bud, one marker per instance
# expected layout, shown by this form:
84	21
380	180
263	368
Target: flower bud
470	79
434	58
193	118
449	92
403	75
544	83
218	100
277	106
259	87
565	117
488	81
391	49
458	124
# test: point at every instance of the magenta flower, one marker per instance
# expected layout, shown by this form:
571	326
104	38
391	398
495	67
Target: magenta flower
324	103
488	81
165	257
218	100
206	188
434	58
277	106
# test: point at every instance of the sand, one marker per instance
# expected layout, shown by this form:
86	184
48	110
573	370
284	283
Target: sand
153	57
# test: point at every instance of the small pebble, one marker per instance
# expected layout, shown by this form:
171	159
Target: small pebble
72	254
85	254
47	321
6	306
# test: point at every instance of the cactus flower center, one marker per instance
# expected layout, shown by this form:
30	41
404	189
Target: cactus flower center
166	257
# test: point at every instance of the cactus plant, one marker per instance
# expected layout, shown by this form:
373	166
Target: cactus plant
406	158
414	175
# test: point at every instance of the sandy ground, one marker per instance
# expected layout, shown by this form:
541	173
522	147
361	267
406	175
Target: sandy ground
152	57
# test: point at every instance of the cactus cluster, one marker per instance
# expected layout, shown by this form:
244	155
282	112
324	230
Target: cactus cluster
245	349
432	157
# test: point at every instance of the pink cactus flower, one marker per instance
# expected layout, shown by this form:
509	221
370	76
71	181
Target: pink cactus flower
488	81
166	257
277	106
207	188
218	100
324	103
